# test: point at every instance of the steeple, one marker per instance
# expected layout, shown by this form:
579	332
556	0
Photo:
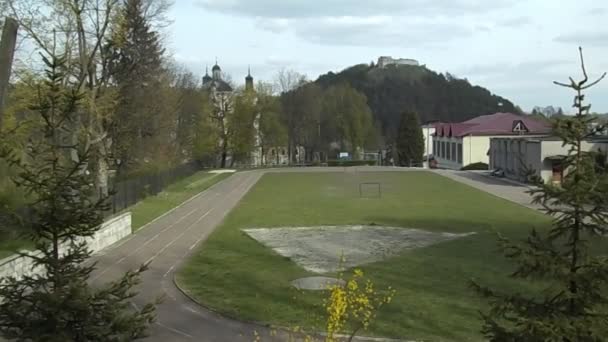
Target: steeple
249	80
206	78
217	71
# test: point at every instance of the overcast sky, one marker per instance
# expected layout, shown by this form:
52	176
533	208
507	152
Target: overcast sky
515	48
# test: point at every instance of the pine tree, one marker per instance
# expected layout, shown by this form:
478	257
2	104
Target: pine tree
572	304
57	303
410	141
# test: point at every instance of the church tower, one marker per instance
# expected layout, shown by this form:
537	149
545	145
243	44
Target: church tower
206	78
217	72
249	81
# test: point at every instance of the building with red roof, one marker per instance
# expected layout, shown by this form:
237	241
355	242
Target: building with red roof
456	145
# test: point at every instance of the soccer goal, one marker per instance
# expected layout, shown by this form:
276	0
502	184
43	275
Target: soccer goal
370	190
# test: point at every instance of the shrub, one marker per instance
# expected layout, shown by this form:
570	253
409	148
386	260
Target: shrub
351	162
476	166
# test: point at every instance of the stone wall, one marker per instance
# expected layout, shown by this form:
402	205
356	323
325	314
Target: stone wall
109	233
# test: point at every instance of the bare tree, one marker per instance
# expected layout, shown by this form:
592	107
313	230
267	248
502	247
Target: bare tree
78	30
287	80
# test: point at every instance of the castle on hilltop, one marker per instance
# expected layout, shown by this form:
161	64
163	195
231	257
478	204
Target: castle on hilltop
385	61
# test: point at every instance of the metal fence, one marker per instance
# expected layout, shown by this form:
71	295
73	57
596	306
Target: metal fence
127	192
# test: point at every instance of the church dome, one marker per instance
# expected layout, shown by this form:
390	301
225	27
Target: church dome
216	68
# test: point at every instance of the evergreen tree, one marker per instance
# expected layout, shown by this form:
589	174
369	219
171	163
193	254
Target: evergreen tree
57	303
136	68
410	141
572	304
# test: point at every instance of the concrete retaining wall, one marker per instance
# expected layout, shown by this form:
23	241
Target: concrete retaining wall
110	232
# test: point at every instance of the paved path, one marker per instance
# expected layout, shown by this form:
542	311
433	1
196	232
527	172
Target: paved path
165	243
168	241
510	191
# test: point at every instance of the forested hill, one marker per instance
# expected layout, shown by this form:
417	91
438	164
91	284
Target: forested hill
432	95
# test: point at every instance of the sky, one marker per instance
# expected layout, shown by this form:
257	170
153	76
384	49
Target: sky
515	48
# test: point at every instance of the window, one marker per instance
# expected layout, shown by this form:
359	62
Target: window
449	151
443	149
454	151
434	152
459	153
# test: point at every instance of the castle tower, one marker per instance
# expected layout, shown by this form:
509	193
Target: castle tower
249	81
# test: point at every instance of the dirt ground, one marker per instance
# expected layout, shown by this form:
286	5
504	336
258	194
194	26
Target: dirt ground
319	249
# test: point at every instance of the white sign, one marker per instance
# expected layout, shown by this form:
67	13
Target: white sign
343	155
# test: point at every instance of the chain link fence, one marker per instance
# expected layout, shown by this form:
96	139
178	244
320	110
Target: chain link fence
126	193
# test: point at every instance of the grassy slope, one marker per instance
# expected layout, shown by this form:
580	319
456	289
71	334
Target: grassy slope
154	206
236	275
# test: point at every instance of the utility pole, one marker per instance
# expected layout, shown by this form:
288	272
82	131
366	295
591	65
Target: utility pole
7	52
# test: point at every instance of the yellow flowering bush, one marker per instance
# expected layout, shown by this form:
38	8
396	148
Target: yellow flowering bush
353	305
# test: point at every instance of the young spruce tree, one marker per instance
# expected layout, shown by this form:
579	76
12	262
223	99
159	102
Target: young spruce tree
572	306
410	141
57	303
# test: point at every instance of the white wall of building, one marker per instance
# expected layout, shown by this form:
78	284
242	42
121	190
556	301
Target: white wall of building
427	133
110	232
476	150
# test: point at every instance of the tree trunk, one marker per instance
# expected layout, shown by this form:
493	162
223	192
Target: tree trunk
7	52
101	180
223	160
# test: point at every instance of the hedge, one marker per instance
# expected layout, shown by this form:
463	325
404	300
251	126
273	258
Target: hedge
351	162
476	167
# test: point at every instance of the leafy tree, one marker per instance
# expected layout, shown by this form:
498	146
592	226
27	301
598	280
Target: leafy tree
57	303
347	118
206	135
272	131
301	113
241	130
572	303
410	141
189	113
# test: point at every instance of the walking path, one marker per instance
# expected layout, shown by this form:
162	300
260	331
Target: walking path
510	191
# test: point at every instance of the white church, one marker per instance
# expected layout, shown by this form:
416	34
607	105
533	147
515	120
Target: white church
222	93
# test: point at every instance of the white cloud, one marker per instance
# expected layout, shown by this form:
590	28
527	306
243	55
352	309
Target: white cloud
274	25
594	38
315	8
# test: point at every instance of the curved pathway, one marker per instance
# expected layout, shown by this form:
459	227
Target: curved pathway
165	244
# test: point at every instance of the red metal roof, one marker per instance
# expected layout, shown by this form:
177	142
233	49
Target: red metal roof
493	124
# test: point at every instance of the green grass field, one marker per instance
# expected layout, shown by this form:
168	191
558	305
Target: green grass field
154	206
236	275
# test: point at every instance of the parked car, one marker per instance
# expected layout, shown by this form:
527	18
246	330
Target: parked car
498	173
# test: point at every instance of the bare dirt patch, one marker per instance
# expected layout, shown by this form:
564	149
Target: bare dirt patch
318	249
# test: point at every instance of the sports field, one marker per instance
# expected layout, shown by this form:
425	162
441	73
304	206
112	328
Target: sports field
241	277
